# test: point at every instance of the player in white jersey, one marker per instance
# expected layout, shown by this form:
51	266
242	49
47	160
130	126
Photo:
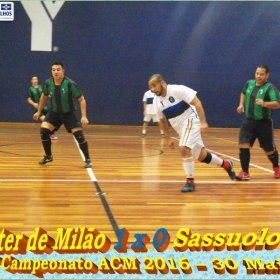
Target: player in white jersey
181	107
149	113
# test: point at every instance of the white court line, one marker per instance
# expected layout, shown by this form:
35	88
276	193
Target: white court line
89	170
93	178
232	182
251	164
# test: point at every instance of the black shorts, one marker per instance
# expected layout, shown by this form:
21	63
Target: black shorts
263	130
44	112
69	120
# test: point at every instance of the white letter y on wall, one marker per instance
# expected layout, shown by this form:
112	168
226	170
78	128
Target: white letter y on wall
41	24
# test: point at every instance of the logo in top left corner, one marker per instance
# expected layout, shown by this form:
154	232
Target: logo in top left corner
6	11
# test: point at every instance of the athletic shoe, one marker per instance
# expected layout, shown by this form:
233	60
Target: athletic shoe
143	135
162	136
88	163
243	176
53	137
276	172
230	171
46	159
189	187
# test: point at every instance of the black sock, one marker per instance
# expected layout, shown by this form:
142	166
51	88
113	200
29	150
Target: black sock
84	148
46	141
47	147
244	156
274	158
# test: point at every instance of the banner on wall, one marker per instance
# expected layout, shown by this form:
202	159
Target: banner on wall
6	11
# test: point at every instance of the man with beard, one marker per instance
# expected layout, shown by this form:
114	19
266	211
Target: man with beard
181	107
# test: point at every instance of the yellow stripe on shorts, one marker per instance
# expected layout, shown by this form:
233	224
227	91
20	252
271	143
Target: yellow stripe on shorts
187	132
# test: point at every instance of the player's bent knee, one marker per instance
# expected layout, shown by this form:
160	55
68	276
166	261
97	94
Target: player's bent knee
185	152
79	136
45	133
207	159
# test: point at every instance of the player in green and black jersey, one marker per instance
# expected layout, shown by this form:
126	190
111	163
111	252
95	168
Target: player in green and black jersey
34	95
257	101
33	98
63	93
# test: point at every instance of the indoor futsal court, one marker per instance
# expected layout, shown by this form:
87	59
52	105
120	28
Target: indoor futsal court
134	183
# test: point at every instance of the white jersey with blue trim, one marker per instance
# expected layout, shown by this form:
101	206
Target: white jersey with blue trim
175	106
149	98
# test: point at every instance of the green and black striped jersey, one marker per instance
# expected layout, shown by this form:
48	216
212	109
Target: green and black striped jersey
62	96
266	92
35	94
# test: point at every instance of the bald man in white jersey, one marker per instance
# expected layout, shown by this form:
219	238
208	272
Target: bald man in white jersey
181	107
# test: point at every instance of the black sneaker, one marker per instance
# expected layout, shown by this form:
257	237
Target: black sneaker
189	187
46	159
230	171
88	163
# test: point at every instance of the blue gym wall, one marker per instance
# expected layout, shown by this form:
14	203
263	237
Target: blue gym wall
111	49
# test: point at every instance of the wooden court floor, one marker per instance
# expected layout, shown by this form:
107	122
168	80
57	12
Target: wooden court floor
134	183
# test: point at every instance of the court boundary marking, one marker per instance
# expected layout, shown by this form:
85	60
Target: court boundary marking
220	182
234	158
101	194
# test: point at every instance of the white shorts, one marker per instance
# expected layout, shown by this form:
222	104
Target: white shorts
190	135
149	117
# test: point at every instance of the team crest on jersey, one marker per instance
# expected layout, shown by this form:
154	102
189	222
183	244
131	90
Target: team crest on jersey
261	91
249	89
171	99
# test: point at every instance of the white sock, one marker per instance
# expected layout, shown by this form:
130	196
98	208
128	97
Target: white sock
188	165
216	160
